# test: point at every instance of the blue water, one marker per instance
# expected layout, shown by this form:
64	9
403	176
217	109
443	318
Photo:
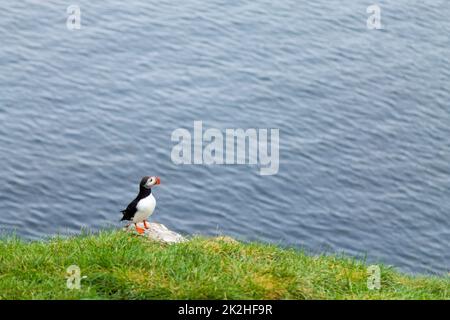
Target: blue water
364	121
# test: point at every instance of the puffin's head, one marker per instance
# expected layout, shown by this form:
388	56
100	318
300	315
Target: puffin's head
148	182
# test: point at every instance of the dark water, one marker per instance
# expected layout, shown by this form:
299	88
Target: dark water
364	121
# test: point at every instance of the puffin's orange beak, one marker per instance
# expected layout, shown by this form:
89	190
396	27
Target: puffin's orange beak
158	181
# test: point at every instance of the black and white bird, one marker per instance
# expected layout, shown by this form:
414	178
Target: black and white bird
143	206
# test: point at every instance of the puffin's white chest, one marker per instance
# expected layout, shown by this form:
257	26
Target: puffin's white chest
145	208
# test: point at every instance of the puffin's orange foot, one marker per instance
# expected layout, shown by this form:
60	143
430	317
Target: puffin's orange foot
145	224
139	229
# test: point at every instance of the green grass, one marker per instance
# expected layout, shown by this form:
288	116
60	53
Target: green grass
119	265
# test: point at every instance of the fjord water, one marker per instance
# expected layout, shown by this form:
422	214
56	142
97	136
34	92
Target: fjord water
364	121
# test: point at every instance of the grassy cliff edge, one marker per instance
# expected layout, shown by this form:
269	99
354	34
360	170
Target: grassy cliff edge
119	265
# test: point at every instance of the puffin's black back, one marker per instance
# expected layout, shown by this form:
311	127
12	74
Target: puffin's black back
131	209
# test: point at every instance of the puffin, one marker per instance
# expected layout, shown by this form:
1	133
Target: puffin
143	205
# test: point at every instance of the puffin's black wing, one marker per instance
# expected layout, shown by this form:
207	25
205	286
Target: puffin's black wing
130	211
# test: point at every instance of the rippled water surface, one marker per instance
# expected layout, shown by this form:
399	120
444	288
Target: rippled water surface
364	121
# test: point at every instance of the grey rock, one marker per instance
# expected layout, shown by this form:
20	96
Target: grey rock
158	232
